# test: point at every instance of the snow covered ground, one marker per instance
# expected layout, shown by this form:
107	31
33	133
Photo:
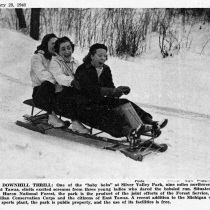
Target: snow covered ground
176	88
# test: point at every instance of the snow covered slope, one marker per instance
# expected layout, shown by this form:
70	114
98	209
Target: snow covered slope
176	88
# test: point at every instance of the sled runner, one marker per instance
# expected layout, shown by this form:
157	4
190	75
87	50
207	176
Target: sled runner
135	148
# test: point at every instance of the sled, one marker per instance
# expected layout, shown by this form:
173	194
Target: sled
132	147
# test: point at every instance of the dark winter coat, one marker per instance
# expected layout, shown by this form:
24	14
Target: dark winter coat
90	83
103	117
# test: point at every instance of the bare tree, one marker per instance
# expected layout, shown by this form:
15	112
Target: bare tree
21	19
168	34
35	23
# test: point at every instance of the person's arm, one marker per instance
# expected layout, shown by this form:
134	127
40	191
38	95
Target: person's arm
60	77
39	69
111	92
106	78
87	87
108	82
95	91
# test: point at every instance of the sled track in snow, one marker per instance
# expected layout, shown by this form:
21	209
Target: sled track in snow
14	80
178	113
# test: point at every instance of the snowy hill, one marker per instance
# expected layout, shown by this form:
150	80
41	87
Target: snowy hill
176	88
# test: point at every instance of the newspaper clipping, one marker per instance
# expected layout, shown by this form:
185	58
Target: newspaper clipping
93	193
161	54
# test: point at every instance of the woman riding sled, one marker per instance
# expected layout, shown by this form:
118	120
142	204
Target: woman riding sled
42	80
96	84
47	92
63	67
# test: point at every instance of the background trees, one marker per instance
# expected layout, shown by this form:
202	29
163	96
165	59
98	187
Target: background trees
126	31
21	18
34	22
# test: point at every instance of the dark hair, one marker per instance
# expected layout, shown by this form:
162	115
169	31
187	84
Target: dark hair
61	40
92	51
44	45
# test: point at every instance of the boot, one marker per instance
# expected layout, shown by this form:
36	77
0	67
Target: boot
55	121
143	128
157	125
79	127
140	130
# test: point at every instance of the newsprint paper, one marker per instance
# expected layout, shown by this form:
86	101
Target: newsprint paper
161	50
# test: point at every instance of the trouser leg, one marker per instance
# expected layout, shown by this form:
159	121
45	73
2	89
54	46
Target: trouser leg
113	102
105	117
43	96
145	116
66	103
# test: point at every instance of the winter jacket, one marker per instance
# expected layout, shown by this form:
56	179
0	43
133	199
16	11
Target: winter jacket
62	71
89	81
40	69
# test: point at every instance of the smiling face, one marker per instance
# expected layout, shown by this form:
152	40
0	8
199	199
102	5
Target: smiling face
51	45
65	51
99	58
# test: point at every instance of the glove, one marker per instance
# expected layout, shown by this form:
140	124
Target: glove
111	92
125	89
117	92
75	84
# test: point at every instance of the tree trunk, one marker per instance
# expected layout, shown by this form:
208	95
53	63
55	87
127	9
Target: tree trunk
34	24
21	18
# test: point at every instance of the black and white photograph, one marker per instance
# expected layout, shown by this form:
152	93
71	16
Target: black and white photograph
106	92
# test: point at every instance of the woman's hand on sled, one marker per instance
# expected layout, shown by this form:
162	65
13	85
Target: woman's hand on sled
75	84
125	89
